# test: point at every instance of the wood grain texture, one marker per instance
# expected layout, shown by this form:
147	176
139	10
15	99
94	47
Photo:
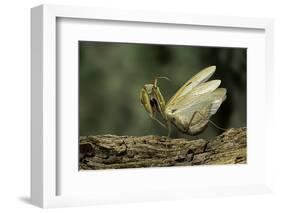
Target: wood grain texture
114	152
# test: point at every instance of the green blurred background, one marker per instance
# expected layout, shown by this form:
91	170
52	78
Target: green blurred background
112	74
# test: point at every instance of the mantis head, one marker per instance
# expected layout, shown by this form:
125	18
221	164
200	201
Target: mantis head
152	99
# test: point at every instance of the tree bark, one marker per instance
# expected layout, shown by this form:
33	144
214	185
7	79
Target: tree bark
114	152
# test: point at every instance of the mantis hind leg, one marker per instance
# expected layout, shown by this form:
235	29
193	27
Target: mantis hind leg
189	124
204	117
169	128
215	125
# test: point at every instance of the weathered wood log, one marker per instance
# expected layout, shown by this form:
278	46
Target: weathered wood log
114	152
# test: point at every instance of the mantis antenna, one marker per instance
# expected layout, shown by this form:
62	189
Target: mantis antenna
160	77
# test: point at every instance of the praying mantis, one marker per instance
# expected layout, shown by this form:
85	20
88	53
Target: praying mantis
190	108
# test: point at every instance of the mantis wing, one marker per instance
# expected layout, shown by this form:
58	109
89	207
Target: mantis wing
200	77
191	115
191	97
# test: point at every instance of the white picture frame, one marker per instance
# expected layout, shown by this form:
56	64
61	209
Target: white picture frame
47	164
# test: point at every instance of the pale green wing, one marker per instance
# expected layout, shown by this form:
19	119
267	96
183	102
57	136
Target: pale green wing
191	97
200	77
193	117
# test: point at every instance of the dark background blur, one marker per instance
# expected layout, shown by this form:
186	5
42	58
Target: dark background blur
112	74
